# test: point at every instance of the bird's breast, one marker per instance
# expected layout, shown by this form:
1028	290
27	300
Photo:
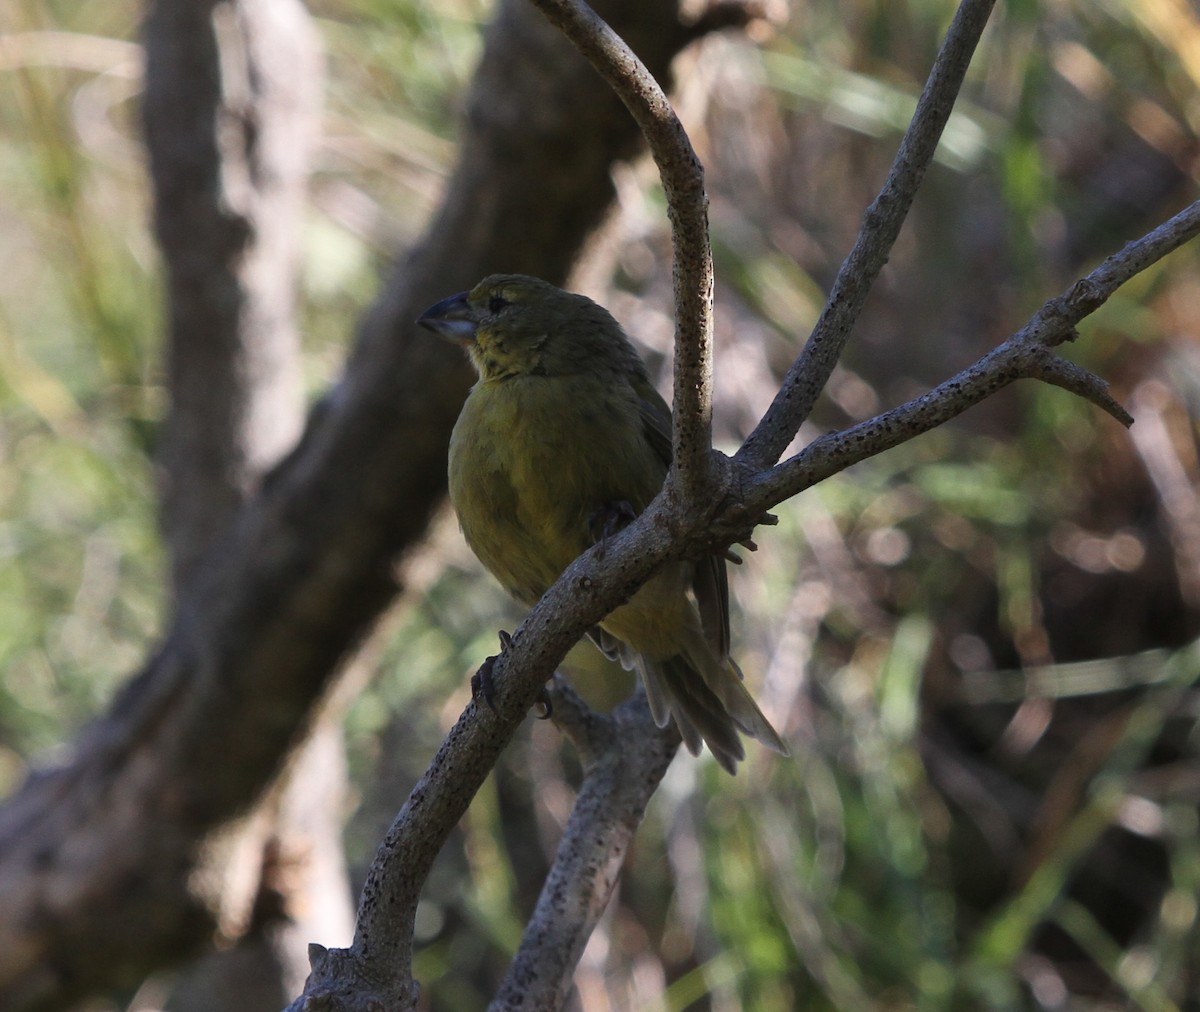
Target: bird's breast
532	458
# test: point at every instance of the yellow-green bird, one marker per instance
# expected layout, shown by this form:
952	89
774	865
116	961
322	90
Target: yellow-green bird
562	435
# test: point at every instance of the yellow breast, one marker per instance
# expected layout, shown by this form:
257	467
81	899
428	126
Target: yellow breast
532	458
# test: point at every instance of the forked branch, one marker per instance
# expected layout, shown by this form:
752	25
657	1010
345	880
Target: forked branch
1028	354
880	229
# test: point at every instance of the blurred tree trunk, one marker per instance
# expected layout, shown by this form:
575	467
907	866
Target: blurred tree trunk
231	111
231	105
161	831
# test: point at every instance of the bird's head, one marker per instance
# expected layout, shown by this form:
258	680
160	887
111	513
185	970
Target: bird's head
516	325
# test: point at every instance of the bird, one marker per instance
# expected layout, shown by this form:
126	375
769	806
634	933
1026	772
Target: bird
562	440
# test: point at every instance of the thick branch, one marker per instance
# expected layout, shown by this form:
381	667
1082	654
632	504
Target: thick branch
230	114
811	371
230	108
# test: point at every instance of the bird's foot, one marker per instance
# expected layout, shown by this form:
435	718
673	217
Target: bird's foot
482	683
610	519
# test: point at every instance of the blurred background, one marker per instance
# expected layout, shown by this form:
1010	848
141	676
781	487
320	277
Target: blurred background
982	646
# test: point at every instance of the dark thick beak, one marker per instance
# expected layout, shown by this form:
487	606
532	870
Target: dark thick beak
452	319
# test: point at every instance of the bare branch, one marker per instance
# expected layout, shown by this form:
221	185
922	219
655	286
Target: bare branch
619	782
811	371
617	787
1061	373
687	207
1055	321
591	587
1025	355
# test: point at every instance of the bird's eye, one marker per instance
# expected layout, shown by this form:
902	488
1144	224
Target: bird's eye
497	303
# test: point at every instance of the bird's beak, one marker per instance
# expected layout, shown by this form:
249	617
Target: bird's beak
452	319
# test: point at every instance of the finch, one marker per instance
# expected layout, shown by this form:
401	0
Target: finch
563	438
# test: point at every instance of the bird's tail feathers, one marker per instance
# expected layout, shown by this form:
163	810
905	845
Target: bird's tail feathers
709	704
725	679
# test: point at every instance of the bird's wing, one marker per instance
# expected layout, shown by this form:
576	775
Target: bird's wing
711	587
711	582
656	420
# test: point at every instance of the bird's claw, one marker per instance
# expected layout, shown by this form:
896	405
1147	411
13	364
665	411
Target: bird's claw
608	520
482	683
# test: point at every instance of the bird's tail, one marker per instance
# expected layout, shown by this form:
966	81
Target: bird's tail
709	704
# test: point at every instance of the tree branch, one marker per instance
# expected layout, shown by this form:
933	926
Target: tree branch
682	177
881	226
617	786
230	115
1025	355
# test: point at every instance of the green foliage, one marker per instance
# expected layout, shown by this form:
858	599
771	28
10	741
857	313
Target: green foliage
80	559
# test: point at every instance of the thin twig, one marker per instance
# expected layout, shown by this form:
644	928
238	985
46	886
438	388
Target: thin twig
812	369
687	207
1025	355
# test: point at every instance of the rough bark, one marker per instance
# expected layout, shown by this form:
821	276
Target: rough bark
625	759
100	857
